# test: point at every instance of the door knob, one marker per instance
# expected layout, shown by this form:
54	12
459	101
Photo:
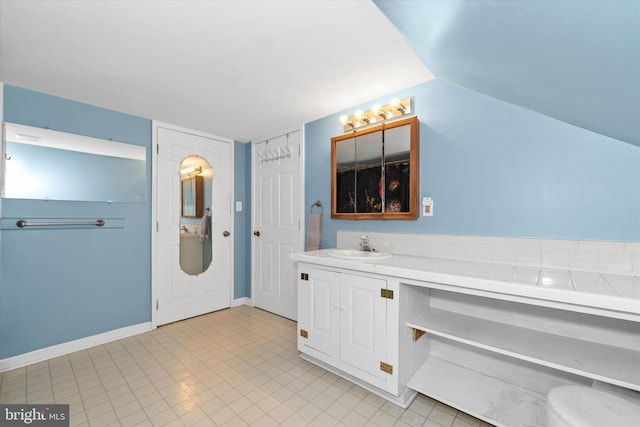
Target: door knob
256	233
225	233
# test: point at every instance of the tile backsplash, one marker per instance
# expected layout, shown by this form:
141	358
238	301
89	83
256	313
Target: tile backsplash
579	255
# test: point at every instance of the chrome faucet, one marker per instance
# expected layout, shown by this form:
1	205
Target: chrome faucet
364	244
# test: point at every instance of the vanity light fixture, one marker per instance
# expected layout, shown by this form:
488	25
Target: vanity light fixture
394	109
192	170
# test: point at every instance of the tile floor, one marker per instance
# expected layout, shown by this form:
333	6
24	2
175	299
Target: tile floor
234	367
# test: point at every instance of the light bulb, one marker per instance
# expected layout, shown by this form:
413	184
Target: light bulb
376	109
344	120
359	115
396	104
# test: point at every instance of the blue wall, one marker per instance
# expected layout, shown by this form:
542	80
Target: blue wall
494	169
242	221
64	284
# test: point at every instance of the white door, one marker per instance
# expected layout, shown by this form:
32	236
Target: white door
181	295
276	223
319	322
363	317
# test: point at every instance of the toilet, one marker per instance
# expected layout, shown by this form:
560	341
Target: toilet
580	406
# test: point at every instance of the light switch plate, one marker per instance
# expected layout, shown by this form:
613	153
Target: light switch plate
427	206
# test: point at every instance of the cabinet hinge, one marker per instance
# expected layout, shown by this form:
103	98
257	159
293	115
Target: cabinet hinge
385	367
386	293
157	148
304	334
304	276
157	304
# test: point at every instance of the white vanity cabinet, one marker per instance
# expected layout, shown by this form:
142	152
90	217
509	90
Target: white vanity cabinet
348	323
458	333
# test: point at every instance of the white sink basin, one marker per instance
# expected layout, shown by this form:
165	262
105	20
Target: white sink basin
356	255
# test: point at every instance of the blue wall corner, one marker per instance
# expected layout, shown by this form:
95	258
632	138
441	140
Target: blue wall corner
495	169
242	221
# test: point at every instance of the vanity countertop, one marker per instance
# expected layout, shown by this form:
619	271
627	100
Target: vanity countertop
608	294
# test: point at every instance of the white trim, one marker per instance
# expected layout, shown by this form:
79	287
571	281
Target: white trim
72	346
154	223
252	246
242	301
158	124
303	208
232	217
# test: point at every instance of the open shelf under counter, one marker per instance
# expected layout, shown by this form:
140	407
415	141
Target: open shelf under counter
610	364
487	398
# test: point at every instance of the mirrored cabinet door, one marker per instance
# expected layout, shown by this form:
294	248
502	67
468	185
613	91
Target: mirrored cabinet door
374	172
345	162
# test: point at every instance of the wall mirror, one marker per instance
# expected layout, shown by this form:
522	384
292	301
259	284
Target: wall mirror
50	165
374	172
196	198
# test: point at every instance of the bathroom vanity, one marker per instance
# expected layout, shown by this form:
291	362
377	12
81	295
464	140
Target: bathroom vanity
489	339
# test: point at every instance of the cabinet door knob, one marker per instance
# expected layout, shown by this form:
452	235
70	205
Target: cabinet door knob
256	233
225	233
335	306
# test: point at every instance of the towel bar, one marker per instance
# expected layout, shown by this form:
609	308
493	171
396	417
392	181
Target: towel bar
318	203
24	223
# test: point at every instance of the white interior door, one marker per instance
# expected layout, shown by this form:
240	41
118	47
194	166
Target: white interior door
181	295
276	223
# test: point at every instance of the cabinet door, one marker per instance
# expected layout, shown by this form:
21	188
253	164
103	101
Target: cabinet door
363	337
318	310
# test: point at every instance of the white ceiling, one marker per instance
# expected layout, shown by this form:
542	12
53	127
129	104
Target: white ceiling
239	69
575	61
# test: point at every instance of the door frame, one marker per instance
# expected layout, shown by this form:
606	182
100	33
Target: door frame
254	206
154	209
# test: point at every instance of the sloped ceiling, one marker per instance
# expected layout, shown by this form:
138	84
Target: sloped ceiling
238	69
247	69
576	61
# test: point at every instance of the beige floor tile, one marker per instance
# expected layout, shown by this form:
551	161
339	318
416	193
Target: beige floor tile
234	367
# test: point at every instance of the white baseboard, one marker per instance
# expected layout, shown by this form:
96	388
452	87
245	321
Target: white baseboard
71	346
242	301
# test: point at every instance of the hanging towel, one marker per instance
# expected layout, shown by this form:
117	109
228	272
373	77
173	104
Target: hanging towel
314	231
205	228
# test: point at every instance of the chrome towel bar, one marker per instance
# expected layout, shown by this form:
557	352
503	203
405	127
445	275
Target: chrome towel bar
24	223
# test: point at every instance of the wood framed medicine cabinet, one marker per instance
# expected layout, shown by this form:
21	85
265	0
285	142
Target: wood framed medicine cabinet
374	172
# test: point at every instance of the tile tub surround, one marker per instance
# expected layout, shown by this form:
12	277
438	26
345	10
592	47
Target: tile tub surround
620	258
